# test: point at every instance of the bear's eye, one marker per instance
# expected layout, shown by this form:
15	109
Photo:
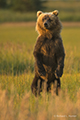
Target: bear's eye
44	19
49	20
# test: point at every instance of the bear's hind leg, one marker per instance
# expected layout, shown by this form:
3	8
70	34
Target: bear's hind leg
55	86
58	88
36	86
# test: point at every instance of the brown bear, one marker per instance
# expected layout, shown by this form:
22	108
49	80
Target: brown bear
48	51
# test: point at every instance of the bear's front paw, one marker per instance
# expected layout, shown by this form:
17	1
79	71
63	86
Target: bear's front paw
44	78
57	74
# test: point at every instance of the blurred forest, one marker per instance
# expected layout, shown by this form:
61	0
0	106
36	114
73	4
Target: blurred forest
25	5
21	5
25	10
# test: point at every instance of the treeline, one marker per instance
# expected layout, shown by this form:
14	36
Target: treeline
22	5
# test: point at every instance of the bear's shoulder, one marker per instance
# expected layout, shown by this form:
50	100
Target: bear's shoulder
58	40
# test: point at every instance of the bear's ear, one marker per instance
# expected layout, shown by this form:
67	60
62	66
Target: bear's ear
55	12
39	13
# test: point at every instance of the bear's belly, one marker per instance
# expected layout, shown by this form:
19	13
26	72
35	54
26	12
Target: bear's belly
49	58
50	72
48	54
49	64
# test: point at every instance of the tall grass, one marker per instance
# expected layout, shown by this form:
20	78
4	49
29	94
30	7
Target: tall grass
46	107
16	48
17	72
71	41
15	58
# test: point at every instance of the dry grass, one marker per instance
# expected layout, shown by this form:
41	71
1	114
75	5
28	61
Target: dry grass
47	107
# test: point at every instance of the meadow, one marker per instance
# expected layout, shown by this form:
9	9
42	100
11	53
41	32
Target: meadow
17	102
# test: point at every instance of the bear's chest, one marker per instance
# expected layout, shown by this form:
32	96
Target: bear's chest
48	48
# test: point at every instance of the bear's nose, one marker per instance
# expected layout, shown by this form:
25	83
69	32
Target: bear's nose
45	24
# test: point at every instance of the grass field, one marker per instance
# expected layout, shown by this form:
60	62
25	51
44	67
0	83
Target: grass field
17	72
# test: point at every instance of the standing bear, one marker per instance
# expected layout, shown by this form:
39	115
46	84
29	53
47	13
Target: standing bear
48	52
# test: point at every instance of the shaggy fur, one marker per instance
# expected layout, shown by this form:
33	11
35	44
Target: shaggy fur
48	52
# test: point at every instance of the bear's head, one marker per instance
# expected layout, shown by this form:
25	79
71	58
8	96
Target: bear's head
48	24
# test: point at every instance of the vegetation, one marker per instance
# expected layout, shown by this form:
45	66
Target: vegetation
17	71
26	5
69	11
3	3
11	16
21	5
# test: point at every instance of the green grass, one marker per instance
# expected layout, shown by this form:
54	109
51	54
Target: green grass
71	42
12	16
16	49
17	72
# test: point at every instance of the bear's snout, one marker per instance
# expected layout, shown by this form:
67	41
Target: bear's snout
46	25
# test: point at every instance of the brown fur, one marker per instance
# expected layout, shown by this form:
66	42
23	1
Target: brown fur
48	52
